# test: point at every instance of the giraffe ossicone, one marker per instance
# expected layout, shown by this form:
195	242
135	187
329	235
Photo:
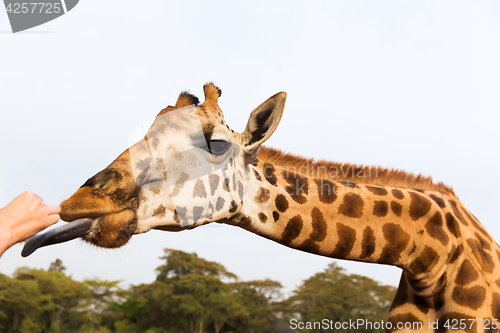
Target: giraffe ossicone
191	169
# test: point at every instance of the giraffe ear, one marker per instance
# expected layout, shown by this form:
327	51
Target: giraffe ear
262	123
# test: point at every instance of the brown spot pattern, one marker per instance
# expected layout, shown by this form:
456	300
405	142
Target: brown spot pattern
276	216
459	216
439	299
233	207
484	258
269	174
213	182
257	175
345	243
160	211
397	241
484	244
292	230
476	224
297	187
377	190
199	189
180	183
472	297
240	190
419	206
349	185
441	283
181	213
309	246
143	164
245	221
452	225
281	203
262	217
225	183
438	200
262	195
326	191
466	274
421	303
318	233
220	203
397	194
396	208
352	206
457	252
197	211
435	229
368	243
380	208
495	306
427	259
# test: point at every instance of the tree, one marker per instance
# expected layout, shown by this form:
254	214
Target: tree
40	301
147	306
205	300
179	263
258	298
339	297
57	266
187	296
65	298
104	294
20	302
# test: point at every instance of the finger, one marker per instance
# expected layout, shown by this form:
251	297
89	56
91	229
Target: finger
54	209
51	219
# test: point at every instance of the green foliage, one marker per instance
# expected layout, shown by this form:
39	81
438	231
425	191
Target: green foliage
179	263
37	300
190	295
336	296
258	298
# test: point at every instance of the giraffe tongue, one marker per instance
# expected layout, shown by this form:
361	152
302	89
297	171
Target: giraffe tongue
60	234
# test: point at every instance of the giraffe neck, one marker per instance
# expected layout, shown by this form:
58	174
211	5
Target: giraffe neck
345	220
450	263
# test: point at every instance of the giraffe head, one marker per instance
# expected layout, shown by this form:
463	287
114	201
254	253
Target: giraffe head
188	170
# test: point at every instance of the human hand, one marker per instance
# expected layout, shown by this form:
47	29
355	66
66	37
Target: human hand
23	217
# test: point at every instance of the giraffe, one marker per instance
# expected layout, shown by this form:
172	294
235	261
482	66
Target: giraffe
200	171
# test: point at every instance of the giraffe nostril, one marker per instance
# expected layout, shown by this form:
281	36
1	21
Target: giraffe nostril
100	180
104	183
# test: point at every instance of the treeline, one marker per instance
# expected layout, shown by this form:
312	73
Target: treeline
190	294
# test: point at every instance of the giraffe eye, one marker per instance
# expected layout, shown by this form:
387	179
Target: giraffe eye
218	147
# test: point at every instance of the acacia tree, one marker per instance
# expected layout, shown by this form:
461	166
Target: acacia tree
202	298
103	294
337	296
179	263
258	297
35	300
195	295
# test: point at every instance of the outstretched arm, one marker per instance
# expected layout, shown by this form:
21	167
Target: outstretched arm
22	218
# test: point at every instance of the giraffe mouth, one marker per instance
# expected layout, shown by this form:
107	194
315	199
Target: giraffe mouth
61	234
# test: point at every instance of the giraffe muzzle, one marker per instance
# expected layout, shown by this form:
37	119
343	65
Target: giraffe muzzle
57	235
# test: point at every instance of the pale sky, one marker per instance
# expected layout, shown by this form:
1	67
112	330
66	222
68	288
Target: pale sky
409	85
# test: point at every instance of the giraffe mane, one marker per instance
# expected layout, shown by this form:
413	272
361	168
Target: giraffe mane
346	172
